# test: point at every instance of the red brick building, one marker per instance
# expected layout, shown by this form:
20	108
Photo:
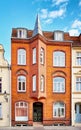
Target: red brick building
41	76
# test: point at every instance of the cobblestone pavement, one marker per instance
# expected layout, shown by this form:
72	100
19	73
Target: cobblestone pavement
41	128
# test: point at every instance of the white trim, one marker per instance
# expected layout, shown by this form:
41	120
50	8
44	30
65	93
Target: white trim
21	76
57	109
34	82
21	118
34	55
21	57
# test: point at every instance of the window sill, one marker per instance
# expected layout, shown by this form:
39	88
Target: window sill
21	65
21	91
77	66
59	92
59	66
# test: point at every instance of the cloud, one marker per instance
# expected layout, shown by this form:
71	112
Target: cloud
74	32
50	15
80	3
57	13
44	13
58	2
48	21
76	24
75	28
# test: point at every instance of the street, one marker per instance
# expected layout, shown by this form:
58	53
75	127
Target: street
41	128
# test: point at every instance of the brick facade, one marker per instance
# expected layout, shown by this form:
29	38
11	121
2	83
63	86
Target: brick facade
48	97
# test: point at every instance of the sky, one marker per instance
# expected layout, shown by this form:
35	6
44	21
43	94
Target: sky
64	15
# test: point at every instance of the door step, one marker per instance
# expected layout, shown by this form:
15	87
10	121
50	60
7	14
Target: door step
37	124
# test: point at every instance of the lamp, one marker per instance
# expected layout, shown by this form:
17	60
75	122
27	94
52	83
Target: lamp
5	96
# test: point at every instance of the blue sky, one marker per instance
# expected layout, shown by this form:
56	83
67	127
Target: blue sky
62	15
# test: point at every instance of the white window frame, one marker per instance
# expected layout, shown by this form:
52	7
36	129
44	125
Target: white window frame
78	84
59	87
21	57
34	83
21	33
21	118
34	55
22	81
42	83
59	58
42	56
57	110
78	58
58	36
1	85
0	110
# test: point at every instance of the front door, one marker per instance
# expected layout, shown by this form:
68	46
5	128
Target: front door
78	113
37	112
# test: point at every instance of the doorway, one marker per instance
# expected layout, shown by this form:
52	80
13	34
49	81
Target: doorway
37	112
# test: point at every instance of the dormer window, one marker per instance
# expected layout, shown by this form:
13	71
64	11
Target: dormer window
58	36
21	33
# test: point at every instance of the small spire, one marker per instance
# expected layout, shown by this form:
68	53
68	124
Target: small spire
37	28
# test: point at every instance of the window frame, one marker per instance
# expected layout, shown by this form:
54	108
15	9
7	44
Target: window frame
57	109
78	88
34	87
58	36
21	33
59	58
78	59
34	55
21	83
21	118
42	83
21	54
42	56
0	85
56	87
0	110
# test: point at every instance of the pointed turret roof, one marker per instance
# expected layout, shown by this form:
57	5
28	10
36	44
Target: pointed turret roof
37	28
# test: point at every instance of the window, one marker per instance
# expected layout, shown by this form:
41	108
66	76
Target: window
22	33
21	83
34	55
21	111
78	58
59	58
58	36
0	85
42	56
0	110
58	109
78	84
42	83
21	56
59	84
34	82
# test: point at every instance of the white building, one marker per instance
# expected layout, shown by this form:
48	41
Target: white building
4	90
76	84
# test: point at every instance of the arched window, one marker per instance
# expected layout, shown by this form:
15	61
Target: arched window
42	56
21	83
42	82
59	109
21	111
59	84
21	57
59	58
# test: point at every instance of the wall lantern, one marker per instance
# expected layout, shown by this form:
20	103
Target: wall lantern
5	96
